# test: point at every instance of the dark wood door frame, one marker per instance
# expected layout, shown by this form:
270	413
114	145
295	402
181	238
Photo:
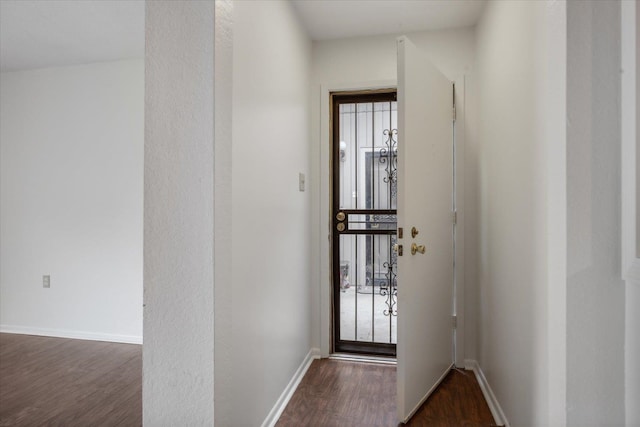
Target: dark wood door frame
336	99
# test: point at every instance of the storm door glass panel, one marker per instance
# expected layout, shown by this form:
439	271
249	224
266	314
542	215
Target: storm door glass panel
364	223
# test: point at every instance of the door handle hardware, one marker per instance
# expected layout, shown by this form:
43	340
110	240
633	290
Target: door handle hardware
340	226
417	248
414	232
340	216
398	248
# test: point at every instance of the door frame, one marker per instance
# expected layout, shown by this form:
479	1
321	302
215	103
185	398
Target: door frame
376	349
325	215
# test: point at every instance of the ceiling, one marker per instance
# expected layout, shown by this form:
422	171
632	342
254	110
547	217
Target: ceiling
38	33
333	19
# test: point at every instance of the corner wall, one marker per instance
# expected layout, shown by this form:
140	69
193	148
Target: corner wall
596	294
178	352
521	121
71	149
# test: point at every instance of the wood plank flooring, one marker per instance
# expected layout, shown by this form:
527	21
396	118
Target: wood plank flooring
351	394
64	382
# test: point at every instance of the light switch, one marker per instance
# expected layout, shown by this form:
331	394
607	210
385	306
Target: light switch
46	281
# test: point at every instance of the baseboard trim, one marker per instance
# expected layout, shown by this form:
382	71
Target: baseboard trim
494	406
283	400
64	333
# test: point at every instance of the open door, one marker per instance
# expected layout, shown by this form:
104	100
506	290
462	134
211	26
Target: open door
425	205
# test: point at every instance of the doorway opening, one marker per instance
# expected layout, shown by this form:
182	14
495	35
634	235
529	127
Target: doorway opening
364	221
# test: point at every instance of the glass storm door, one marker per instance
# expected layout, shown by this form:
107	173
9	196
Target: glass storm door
364	200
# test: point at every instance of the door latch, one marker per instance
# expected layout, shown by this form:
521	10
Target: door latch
398	248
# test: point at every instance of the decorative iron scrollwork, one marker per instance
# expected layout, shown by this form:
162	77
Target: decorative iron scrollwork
389	155
390	289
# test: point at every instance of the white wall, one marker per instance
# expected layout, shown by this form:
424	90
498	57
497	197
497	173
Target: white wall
223	271
270	231
630	168
595	295
372	61
71	144
178	349
520	78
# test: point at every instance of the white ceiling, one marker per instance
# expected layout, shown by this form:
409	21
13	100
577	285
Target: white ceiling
45	33
334	19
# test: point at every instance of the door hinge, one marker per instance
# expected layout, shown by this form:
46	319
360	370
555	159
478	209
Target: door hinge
455	217
453	103
454	321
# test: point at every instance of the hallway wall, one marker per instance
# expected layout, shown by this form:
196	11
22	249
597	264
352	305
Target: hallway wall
521	109
270	288
221	187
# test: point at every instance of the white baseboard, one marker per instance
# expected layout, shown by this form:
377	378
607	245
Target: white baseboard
63	333
286	395
494	406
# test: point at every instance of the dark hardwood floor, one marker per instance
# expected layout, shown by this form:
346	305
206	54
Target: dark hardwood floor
63	382
351	394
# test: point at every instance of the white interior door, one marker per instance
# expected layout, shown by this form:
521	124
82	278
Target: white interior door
425	200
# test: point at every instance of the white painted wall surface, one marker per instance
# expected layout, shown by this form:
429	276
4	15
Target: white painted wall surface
71	148
630	168
520	80
632	354
595	295
270	218
178	353
223	272
372	61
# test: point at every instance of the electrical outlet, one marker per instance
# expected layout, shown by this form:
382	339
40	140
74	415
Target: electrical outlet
46	281
301	181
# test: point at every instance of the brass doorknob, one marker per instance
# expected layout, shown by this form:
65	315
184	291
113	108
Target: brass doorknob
417	248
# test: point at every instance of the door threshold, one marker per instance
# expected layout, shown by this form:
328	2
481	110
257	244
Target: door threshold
363	358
